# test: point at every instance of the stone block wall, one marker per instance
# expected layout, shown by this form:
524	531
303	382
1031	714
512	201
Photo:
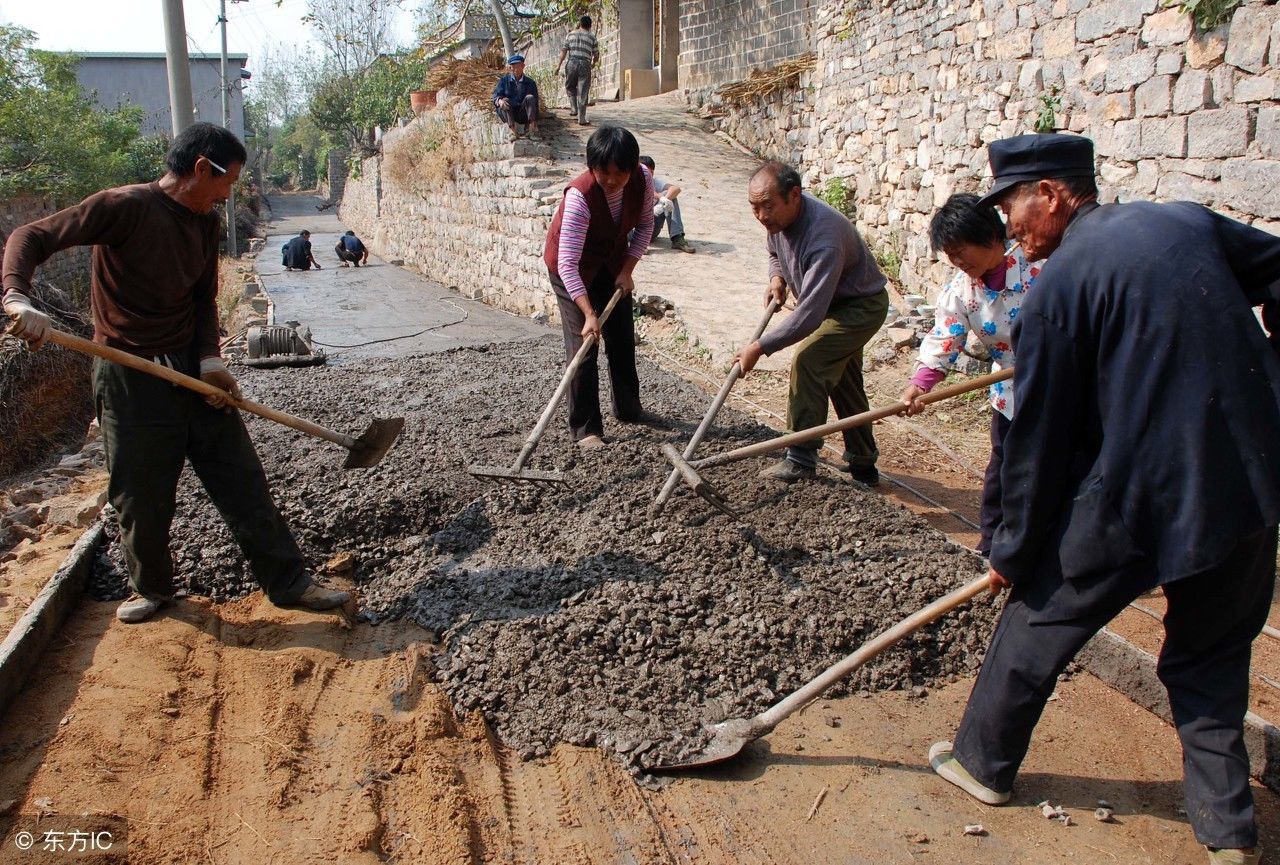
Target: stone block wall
482	232
905	98
68	270
721	40
541	57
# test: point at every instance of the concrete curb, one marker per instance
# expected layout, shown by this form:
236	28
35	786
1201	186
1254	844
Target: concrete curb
1132	671
21	650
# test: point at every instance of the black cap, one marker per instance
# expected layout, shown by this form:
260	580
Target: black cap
1032	157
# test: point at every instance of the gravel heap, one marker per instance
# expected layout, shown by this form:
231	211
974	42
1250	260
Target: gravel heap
566	613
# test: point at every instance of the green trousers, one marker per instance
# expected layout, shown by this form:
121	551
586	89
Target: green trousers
828	365
149	429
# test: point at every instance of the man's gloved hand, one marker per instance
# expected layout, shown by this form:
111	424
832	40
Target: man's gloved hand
29	323
663	207
213	371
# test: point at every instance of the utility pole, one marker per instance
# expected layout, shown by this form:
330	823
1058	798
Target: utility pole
232	249
178	65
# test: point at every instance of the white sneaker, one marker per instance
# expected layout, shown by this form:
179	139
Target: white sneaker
949	769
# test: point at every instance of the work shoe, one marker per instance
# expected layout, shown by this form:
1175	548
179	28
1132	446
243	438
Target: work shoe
644	418
137	608
591	443
678	242
344	264
787	471
949	769
1234	857
317	597
869	475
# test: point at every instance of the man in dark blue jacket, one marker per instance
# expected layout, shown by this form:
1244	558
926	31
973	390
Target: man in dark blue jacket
1144	452
515	99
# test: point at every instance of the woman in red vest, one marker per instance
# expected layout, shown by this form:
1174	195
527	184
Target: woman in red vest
600	231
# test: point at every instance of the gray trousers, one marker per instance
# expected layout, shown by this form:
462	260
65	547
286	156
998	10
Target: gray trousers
1212	620
577	83
150	428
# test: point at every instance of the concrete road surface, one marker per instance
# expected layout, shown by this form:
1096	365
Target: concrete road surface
378	310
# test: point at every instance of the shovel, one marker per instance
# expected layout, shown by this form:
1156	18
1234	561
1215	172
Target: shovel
362	452
690	470
735	373
517	471
730	737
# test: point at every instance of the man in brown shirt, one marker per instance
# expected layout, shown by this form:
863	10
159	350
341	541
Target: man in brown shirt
154	283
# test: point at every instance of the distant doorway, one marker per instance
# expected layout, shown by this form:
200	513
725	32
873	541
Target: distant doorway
666	43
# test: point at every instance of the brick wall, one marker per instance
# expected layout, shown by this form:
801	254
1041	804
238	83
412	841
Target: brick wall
902	107
721	40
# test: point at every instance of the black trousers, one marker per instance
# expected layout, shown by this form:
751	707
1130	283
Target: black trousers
150	428
619	343
989	515
1212	620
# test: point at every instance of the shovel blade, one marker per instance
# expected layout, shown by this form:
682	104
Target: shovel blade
728	738
506	473
372	444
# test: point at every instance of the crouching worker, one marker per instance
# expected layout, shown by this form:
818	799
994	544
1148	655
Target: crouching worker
983	299
351	250
154	281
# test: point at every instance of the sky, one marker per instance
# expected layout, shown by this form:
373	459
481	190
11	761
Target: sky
138	25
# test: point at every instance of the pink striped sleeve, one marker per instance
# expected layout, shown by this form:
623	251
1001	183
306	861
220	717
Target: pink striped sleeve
644	229
573	234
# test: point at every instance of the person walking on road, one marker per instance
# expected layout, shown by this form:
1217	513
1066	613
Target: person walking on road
296	253
578	55
1142	454
154	283
588	255
515	99
351	250
841	301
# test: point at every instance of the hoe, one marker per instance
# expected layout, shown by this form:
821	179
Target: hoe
363	451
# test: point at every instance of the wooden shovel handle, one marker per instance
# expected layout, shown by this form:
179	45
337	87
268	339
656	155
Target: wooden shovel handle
735	372
535	436
885	640
866	417
115	355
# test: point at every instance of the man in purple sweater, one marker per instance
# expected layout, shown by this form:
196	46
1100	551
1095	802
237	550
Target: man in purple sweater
154	283
815	252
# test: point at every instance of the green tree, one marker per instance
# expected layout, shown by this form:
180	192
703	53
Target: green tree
54	140
347	107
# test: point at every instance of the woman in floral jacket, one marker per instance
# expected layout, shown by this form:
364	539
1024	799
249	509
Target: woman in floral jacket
983	299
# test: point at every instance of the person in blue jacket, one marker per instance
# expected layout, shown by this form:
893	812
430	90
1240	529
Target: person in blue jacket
1144	453
515	98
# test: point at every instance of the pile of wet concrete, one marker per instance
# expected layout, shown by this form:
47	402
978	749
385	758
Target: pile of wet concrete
568	613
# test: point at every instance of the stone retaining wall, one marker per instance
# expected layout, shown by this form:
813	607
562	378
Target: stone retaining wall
483	231
905	98
68	270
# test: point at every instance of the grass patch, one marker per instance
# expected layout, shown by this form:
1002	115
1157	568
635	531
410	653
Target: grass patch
427	156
